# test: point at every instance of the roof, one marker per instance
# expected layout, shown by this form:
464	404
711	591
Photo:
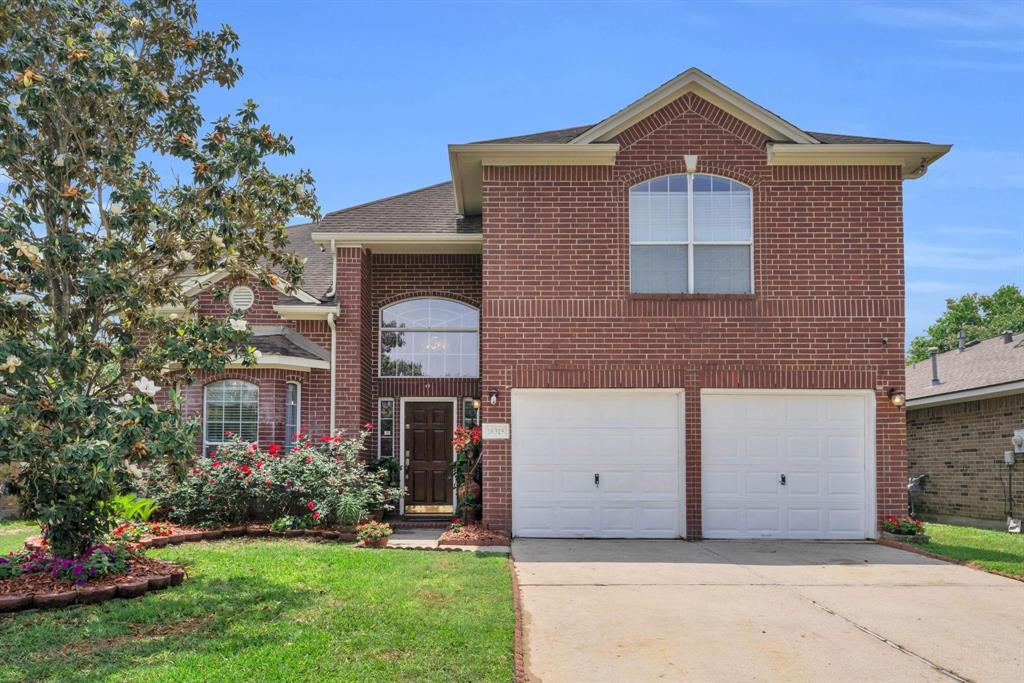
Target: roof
429	210
316	274
987	363
562	135
282	341
840	139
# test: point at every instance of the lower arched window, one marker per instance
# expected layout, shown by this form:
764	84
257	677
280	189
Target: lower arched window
230	407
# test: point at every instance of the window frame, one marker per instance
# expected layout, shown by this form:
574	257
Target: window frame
206	413
381	329
298	411
467	406
380	427
690	242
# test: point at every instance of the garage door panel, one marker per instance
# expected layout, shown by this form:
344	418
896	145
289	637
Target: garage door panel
818	440
561	439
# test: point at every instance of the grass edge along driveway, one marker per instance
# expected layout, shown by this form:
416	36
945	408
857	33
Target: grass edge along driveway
284	610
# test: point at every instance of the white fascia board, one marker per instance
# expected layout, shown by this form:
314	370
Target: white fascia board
696	81
912	158
274	361
197	284
467	162
305	311
994	391
405	242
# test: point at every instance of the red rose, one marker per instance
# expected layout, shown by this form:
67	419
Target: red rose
259	464
309	459
310	505
216	463
213	453
274	449
229	434
266	482
326	438
368	426
316	515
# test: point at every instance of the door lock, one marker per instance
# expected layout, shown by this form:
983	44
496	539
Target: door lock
597	479
782	479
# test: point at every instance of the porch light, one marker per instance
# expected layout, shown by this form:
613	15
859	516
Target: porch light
897	398
476	404
493	398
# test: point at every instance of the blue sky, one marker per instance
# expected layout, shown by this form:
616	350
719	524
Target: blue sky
372	93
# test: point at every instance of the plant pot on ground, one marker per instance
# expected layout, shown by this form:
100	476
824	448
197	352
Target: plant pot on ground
374	534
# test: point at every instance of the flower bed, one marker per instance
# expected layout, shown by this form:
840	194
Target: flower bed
903	529
471	534
44	584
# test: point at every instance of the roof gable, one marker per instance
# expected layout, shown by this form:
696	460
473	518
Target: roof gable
695	81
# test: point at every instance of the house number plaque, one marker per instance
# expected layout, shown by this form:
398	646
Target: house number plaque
493	431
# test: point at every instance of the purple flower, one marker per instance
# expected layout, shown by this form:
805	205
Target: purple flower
77	569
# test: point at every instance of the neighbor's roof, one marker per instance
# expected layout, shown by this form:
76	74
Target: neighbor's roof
987	363
429	210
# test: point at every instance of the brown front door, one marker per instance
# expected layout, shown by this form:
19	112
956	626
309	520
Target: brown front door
428	457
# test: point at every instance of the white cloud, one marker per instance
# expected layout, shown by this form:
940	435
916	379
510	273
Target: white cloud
959	258
974	16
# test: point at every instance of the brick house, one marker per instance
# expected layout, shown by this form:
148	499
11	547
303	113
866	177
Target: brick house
963	408
684	320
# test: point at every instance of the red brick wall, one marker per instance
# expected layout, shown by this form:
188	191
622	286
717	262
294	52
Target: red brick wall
828	260
960	447
315	404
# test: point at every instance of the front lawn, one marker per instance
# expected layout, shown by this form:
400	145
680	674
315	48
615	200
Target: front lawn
997	550
283	610
13	534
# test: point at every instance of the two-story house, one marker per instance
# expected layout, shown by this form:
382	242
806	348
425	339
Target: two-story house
685	320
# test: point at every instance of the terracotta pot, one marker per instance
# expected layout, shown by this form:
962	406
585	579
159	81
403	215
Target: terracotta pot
15	601
213	534
159	541
470	514
59	599
292	533
177	576
133	588
257	530
91	594
234	531
159	582
376	542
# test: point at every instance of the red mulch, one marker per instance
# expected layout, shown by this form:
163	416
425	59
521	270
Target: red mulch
41	582
472	534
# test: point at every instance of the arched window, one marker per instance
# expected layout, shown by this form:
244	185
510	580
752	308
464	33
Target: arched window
691	234
230	406
429	338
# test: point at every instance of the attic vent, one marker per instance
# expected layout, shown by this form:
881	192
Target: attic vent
241	298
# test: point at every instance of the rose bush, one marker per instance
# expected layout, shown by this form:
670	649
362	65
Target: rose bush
315	482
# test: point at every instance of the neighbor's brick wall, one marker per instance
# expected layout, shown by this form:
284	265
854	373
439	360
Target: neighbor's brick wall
960	447
828	260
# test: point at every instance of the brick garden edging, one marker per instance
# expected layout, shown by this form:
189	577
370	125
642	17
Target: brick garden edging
963	563
131	587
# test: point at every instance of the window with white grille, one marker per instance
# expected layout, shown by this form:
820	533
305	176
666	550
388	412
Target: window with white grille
230	407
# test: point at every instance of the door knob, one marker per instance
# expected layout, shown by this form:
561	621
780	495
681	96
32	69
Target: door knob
782	479
597	479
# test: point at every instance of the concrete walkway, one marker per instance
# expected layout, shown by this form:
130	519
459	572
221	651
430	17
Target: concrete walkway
762	611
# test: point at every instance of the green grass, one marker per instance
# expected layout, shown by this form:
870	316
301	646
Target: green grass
283	610
987	549
13	534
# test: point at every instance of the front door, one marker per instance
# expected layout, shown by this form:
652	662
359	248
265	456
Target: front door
428	457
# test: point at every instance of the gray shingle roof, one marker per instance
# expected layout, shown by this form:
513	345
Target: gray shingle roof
283	341
839	139
988	363
562	135
316	275
429	210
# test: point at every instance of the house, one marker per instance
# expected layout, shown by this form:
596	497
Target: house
685	320
963	408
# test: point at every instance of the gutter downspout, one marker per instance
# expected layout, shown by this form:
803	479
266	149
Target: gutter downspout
334	338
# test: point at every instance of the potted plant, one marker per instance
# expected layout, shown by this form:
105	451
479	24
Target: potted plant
466	469
374	534
469	509
904	529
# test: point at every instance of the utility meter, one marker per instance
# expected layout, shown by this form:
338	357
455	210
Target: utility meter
1018	441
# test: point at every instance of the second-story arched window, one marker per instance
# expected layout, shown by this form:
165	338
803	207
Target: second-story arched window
691	234
429	338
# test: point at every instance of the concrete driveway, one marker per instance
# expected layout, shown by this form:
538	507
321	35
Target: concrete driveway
632	611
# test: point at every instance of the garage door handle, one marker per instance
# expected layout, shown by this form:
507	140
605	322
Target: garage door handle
597	479
782	479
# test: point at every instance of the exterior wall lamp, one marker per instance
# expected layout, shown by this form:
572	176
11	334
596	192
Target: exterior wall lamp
493	398
476	404
897	398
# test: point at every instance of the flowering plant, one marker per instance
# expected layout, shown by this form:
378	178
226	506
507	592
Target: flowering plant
96	561
132	532
373	530
456	524
905	526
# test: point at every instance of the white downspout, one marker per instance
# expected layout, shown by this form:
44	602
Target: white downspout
334	338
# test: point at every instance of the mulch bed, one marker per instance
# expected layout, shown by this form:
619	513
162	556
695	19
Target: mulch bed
472	534
42	582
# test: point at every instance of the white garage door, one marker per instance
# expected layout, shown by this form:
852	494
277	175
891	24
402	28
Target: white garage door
787	465
596	464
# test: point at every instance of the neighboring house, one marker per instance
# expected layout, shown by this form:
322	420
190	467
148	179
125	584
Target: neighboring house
685	320
963	407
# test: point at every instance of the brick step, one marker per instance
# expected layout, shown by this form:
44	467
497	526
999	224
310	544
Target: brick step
429	523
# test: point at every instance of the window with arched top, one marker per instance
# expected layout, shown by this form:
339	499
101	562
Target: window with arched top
429	338
230	407
691	233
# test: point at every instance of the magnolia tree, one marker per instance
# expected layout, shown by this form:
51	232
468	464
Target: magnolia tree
95	97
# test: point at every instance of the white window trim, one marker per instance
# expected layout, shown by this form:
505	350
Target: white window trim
690	242
468	400
394	425
206	425
381	330
298	408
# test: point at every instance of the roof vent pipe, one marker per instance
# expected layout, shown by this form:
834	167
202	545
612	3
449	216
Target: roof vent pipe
963	341
934	353
1008	336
